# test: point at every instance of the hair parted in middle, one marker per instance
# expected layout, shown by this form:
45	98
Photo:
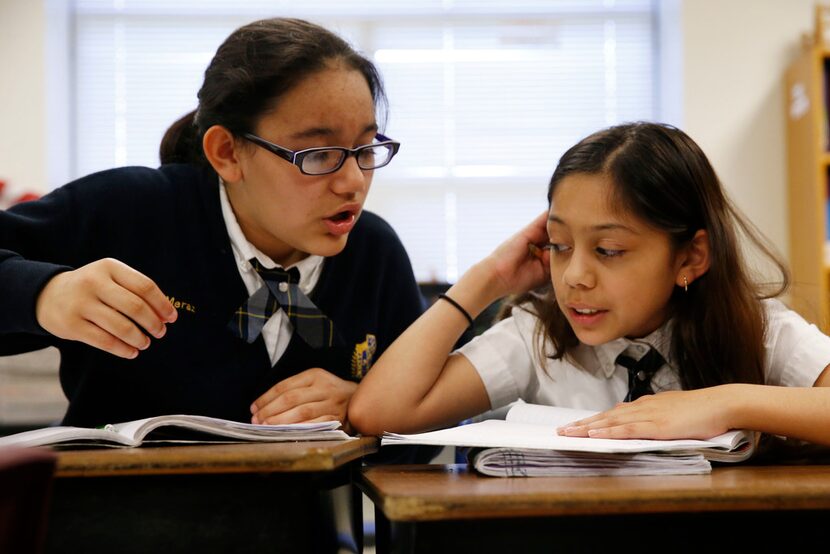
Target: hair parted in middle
662	177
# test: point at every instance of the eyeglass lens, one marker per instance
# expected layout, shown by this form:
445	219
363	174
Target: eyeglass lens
325	161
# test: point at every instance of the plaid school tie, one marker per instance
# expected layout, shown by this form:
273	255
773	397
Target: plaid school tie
640	373
281	290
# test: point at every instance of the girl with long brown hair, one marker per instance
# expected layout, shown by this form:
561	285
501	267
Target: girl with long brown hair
647	292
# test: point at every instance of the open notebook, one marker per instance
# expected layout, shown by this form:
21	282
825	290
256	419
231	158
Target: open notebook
176	428
526	443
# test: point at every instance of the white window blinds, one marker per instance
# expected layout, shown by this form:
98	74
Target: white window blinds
484	97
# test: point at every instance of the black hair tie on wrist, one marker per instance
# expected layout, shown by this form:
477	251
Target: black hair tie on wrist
458	307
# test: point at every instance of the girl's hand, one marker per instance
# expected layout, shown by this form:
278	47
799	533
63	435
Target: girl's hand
105	304
519	263
313	395
696	414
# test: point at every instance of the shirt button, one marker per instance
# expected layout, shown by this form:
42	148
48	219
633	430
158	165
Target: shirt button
283	287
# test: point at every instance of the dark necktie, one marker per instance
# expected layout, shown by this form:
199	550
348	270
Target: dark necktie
281	290
640	373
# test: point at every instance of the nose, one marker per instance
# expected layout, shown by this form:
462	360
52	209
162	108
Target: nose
579	272
350	179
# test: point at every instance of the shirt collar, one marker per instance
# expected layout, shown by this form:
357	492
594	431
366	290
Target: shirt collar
606	354
243	250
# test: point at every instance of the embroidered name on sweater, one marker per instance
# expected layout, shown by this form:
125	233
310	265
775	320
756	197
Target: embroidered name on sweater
182	305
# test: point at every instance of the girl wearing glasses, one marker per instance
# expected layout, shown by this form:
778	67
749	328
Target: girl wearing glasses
638	286
241	279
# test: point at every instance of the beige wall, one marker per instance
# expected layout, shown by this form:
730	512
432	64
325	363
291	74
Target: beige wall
22	94
733	55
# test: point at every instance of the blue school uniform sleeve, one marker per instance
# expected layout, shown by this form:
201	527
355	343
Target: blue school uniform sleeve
56	233
33	235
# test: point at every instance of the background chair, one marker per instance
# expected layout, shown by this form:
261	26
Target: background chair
25	490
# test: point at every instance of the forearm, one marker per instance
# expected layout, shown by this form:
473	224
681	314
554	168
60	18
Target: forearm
411	385
796	412
20	283
36	243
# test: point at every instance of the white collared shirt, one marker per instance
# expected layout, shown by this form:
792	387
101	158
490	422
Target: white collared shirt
507	360
278	330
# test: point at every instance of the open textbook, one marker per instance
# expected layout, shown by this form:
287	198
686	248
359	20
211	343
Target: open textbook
526	444
176	428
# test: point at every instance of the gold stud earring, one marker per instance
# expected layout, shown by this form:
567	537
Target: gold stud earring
685	284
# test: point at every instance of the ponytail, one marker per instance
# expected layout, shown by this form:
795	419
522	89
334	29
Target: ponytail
180	142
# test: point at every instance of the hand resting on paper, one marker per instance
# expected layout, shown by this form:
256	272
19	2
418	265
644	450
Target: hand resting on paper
311	396
695	414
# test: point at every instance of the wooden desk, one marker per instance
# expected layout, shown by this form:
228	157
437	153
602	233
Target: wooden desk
250	497
437	508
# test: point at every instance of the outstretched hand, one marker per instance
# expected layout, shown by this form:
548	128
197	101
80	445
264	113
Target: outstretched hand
105	304
694	414
310	396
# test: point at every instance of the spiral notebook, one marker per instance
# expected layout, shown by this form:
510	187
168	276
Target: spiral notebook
526	443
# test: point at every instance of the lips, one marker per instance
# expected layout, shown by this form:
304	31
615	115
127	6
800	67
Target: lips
582	308
585	315
342	221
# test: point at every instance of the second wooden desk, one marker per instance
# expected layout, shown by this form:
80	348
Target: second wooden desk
437	508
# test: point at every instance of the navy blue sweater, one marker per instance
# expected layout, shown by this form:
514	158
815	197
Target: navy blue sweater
167	224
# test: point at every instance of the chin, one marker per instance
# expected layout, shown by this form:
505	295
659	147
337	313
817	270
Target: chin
330	246
592	338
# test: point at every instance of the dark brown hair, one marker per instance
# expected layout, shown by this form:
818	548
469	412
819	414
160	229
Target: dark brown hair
661	176
251	70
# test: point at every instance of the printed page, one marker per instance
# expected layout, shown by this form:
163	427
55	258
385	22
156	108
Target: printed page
497	433
328	430
554	416
57	435
133	433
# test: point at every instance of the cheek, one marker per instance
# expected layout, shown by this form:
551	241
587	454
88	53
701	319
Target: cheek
648	295
557	267
645	283
558	285
286	212
277	195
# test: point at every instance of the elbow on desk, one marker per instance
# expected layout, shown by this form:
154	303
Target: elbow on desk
364	416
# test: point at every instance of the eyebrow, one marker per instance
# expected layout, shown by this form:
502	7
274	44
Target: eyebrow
327	131
600	227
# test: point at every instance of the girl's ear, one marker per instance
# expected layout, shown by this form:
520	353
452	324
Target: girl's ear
220	150
695	260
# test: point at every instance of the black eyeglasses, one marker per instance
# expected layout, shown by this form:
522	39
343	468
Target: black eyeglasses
328	159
